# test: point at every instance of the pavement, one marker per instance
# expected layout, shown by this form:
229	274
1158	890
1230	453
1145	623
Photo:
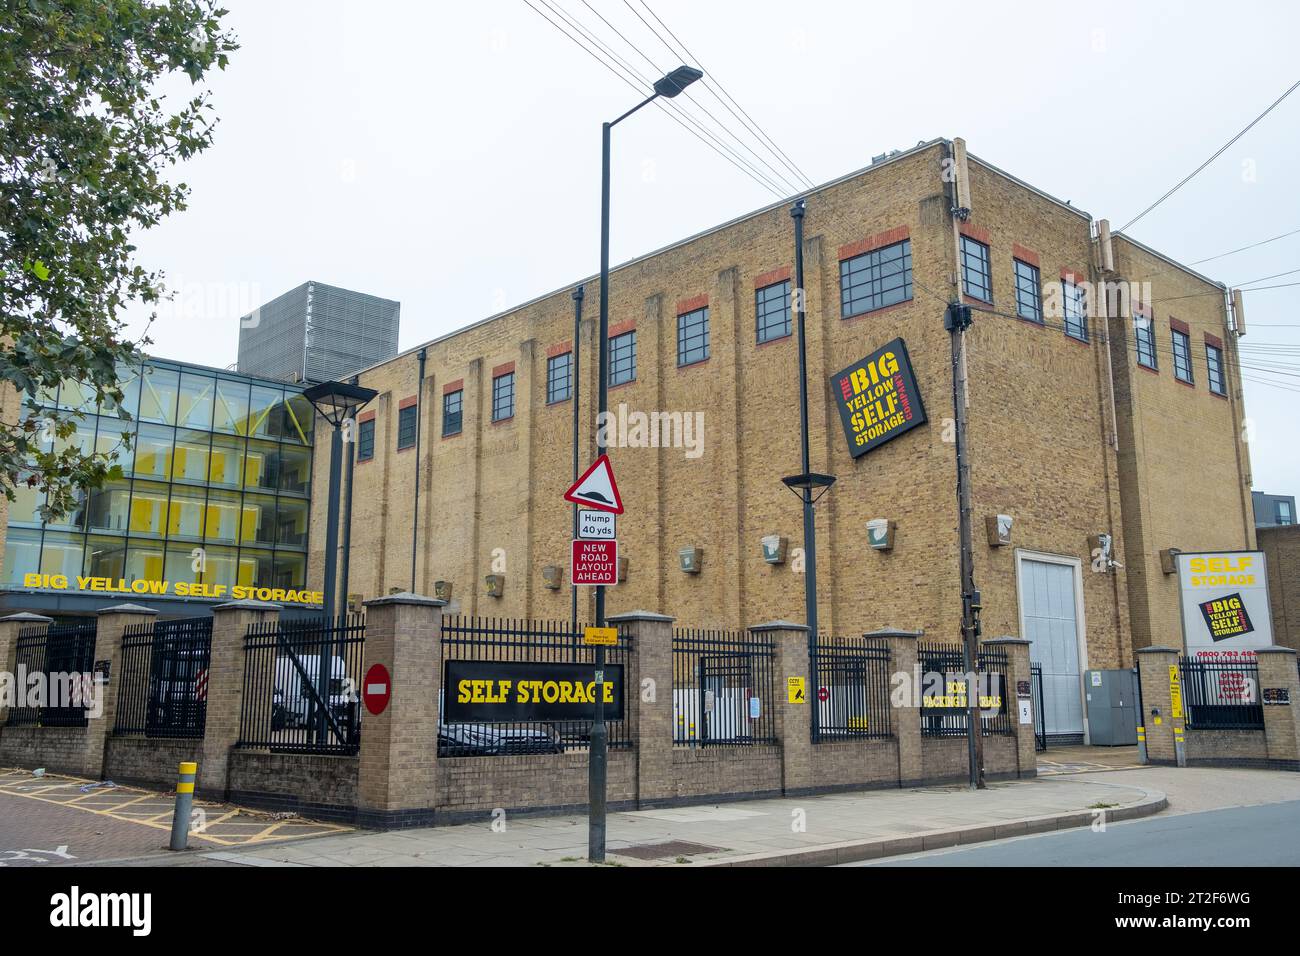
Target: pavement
811	831
55	818
60	822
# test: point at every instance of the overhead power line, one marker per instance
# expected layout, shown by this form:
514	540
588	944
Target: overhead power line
642	91
769	171
1217	153
708	82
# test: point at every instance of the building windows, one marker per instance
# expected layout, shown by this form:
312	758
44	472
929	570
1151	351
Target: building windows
223	463
559	378
1146	341
1076	312
876	279
503	397
451	412
1283	513
1182	356
1214	365
407	424
1029	296
366	440
622	358
693	336
772	311
976	273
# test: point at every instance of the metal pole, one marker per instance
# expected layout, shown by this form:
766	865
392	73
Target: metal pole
415	510
599	733
578	294
956	321
809	524
331	562
184	804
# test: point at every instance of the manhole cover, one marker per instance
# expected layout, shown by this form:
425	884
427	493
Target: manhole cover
664	851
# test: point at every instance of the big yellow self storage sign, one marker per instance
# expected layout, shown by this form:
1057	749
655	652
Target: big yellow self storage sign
1225	606
878	398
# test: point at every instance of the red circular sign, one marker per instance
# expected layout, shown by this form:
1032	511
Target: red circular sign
823	693
376	689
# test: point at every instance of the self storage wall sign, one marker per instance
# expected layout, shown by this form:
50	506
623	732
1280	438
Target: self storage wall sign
877	398
478	692
1224	598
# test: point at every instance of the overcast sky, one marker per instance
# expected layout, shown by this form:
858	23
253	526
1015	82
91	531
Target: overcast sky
448	155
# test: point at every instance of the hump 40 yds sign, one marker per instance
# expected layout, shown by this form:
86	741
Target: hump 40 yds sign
877	398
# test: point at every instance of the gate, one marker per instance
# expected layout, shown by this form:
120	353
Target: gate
164	678
1036	698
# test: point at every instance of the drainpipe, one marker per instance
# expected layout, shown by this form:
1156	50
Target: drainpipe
347	516
415	524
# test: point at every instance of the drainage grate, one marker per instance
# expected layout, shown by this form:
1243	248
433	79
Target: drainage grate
664	851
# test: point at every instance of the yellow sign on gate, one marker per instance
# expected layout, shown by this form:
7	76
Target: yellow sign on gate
605	636
1175	693
796	690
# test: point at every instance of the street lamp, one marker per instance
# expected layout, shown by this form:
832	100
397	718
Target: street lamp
667	86
337	402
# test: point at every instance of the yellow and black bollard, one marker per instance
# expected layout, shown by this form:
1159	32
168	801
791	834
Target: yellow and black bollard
184	801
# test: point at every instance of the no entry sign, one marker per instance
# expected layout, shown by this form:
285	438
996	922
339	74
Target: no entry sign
594	562
376	689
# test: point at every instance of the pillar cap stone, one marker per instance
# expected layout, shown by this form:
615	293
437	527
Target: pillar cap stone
405	597
893	632
248	605
1159	650
27	617
629	616
127	609
779	626
1275	650
1008	639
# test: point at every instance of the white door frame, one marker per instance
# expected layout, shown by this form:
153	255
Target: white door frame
1080	629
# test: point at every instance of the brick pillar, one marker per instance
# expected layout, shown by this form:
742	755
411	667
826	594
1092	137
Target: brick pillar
9	628
230	622
108	647
1017	651
650	714
906	714
1277	672
397	778
793	721
1153	670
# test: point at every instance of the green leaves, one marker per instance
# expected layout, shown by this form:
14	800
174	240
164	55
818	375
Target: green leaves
85	137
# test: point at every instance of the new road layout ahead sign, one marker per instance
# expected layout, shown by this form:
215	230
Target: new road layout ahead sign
594	562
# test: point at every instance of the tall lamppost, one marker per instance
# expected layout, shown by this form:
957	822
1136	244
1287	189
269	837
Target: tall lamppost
667	86
337	402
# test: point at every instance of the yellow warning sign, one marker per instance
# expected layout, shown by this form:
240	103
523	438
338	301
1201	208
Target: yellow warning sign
796	690
1175	693
600	635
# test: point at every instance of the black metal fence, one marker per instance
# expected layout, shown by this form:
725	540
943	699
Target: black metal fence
163	674
1221	695
851	689
302	683
1036	701
64	657
724	688
508	639
947	661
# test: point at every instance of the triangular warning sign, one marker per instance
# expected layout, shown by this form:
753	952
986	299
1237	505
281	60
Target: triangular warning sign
596	488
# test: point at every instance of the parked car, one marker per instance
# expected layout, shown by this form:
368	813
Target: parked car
473	740
293	703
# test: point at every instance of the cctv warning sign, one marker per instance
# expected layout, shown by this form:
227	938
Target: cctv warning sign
877	398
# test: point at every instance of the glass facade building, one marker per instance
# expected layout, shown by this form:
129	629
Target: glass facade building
216	486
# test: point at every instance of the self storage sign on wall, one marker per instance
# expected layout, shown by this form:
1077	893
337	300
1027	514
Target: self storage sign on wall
1224	597
878	398
476	692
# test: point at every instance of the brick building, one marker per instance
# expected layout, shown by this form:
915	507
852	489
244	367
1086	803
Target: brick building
1090	414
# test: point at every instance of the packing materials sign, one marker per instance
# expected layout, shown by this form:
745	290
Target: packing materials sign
478	692
878	398
1224	598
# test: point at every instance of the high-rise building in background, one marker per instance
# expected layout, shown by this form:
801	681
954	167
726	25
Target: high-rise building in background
317	333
